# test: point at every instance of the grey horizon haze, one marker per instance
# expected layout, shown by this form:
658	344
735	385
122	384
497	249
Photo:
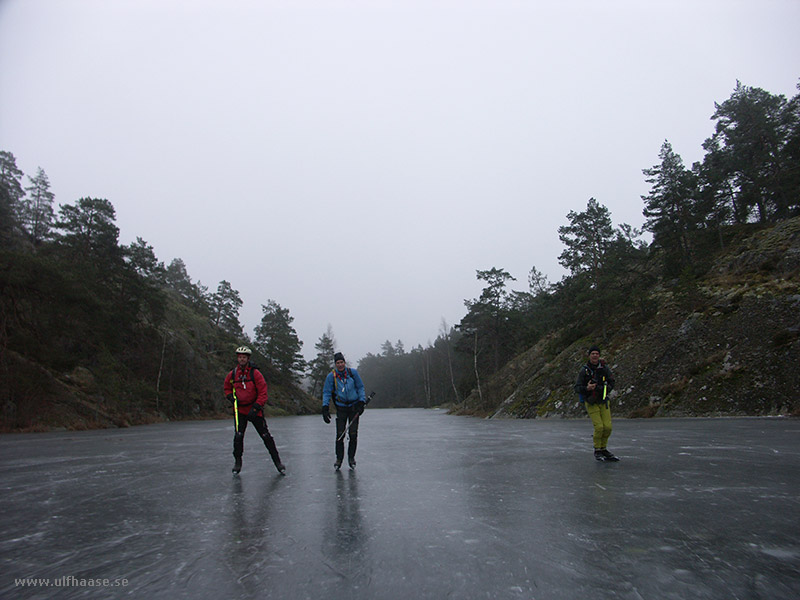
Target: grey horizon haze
357	161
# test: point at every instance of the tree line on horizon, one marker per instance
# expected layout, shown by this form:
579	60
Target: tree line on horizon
72	294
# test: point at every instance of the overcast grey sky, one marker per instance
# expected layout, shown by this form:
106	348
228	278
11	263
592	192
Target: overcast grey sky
357	161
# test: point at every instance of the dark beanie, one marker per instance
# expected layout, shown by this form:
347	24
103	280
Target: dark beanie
338	356
593	348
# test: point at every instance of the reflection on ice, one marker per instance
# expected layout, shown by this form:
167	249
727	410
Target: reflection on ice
439	507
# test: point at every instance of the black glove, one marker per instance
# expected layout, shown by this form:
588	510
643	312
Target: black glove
360	407
253	414
230	398
326	414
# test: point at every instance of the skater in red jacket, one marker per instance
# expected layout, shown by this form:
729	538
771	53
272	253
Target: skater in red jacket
246	389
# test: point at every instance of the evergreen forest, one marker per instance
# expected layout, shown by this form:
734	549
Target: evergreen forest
522	348
96	334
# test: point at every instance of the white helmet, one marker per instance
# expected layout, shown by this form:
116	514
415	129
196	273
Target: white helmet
243	350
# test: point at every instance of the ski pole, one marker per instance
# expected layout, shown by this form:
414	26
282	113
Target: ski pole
341	437
235	410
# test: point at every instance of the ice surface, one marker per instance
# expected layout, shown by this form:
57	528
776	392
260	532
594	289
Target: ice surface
439	507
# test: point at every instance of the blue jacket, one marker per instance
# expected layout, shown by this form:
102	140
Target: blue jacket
349	388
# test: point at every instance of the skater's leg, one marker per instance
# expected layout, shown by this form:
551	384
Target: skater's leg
341	425
238	445
597	421
353	440
260	423
605	417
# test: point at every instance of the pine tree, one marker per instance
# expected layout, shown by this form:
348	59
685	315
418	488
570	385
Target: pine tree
745	157
669	207
36	208
10	197
322	363
141	256
587	238
487	318
225	305
276	339
89	228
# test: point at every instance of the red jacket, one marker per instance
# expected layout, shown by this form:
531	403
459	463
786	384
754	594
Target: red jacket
250	385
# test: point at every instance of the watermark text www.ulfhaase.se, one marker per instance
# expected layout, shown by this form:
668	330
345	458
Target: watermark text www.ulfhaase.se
70	581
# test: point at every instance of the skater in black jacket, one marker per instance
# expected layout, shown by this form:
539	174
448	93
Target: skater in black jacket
595	381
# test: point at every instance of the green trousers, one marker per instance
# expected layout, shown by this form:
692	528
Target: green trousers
601	419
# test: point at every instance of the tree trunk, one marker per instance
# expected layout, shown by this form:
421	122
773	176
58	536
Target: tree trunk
446	336
160	369
477	375
426	377
450	367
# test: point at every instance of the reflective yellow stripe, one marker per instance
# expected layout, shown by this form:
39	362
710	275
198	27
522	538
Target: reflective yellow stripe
235	405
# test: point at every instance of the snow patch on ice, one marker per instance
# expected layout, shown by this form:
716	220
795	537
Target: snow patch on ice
782	553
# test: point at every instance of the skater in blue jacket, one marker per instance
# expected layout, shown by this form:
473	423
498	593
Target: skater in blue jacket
344	386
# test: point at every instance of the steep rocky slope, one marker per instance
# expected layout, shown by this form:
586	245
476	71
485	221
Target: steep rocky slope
729	347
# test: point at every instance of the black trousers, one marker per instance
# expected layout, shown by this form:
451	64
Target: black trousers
345	415
260	423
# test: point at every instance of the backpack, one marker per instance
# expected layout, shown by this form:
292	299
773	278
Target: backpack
250	374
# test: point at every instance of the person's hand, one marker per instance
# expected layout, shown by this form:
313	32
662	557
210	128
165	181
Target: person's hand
230	398
360	407
326	414
591	385
253	414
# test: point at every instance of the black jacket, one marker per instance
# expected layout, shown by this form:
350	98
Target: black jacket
602	376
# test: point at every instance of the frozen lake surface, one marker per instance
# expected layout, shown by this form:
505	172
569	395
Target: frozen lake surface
439	507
